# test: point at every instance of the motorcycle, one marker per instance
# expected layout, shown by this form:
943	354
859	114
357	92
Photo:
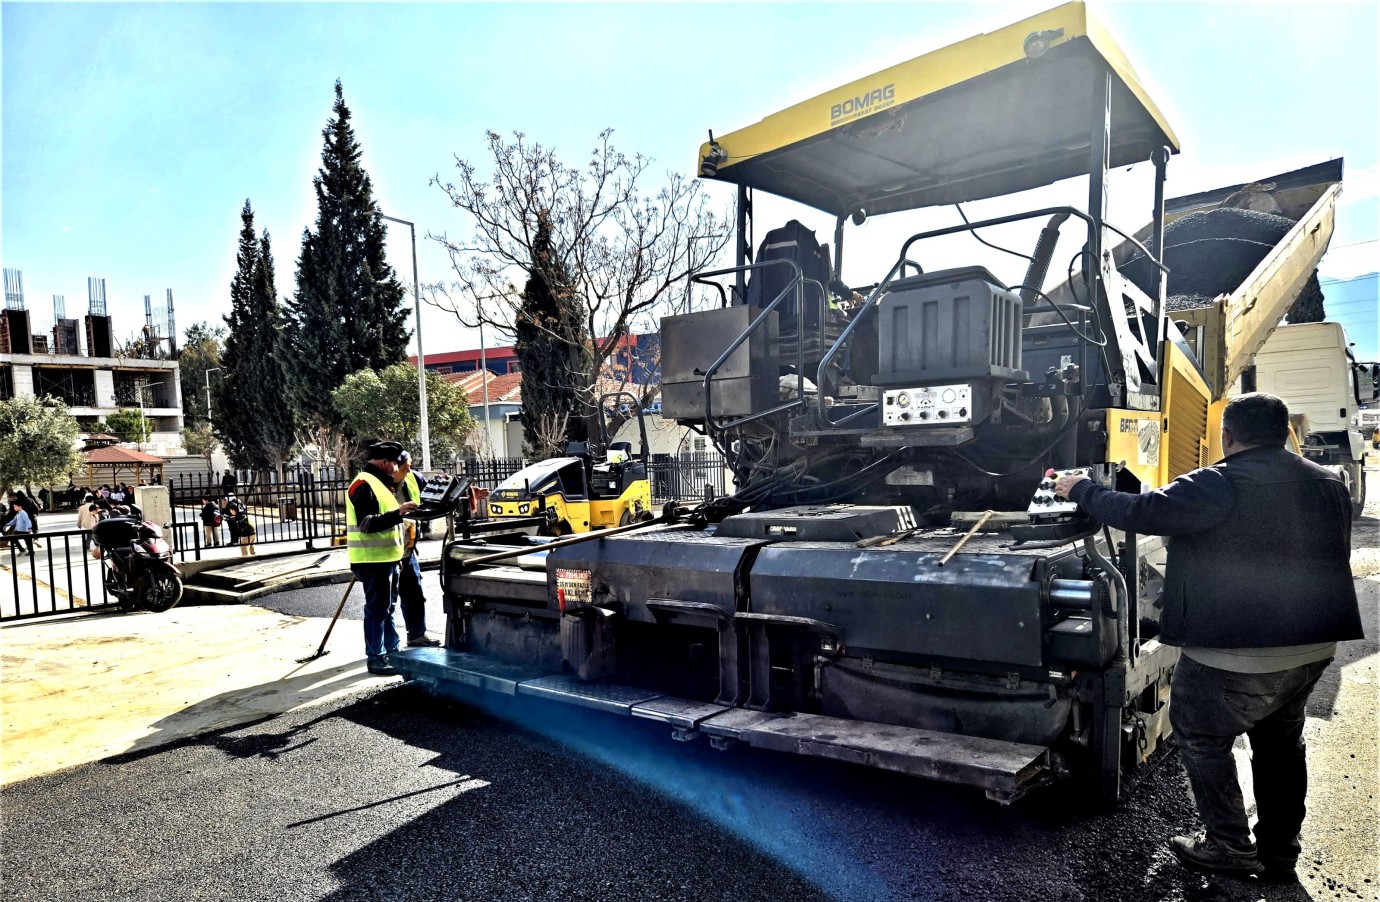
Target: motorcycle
137	563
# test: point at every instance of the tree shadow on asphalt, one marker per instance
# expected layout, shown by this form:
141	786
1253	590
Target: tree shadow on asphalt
767	825
576	804
185	727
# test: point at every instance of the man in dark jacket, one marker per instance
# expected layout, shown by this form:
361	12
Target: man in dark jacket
228	484
210	522
1257	593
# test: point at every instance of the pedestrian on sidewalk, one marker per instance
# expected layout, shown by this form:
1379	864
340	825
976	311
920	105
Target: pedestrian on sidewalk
241	528
210	522
374	543
410	592
228	484
87	518
19	525
30	505
1257	593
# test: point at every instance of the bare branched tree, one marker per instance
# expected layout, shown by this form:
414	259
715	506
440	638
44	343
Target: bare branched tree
332	445
628	254
550	434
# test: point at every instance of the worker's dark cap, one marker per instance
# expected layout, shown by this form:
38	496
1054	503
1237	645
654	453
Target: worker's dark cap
383	451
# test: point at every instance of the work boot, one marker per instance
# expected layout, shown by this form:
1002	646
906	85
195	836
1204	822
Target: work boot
382	667
1201	853
422	640
1277	870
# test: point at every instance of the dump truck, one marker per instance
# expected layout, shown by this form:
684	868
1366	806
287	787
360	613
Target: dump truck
892	581
1310	366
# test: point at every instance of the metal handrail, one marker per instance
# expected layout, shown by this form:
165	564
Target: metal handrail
903	261
793	286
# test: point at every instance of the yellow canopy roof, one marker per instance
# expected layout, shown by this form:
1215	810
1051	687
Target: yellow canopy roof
976	119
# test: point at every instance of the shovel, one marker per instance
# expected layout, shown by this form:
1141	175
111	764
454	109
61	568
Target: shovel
321	649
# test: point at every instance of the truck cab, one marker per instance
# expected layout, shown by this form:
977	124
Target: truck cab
1310	367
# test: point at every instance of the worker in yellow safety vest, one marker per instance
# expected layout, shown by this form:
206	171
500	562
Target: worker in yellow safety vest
413	599
374	541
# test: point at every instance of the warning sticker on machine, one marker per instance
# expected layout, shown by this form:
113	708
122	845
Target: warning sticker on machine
572	587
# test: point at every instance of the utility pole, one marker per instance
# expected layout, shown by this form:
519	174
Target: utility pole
421	358
484	377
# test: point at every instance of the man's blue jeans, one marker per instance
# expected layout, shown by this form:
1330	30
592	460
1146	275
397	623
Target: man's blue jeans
412	597
1208	709
380	582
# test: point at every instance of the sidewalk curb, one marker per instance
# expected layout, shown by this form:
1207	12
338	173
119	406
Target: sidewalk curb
211	595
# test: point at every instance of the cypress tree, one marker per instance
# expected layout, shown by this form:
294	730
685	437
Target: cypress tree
249	416
551	349
276	425
348	312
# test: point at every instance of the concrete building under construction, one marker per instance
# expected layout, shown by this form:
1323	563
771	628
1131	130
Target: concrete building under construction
83	364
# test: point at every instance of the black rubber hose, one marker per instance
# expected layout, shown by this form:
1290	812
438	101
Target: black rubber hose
1044	252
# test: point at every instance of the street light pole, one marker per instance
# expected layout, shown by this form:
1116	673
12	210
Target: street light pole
484	378
421	358
209	371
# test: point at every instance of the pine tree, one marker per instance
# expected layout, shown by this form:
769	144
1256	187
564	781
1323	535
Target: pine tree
348	312
250	418
552	351
277	425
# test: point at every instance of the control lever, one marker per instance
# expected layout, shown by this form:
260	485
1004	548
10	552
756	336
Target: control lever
440	495
1046	505
1053	519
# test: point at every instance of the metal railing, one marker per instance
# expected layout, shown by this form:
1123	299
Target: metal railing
695	476
58	576
299	508
488	473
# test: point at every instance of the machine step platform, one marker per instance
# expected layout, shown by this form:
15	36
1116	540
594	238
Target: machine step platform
1006	770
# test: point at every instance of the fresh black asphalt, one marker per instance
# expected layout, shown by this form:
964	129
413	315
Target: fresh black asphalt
396	794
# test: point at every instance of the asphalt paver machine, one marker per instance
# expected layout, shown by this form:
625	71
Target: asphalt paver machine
892	583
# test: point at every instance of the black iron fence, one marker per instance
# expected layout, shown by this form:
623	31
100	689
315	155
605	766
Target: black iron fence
60	576
299	508
696	476
49	573
489	473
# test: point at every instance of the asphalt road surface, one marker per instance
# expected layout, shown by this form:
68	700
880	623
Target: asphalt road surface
400	795
321	601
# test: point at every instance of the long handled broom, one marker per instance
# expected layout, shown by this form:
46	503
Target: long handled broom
321	649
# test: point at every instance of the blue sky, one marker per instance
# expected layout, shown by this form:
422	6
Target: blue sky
132	133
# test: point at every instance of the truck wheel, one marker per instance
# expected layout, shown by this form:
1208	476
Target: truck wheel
626	518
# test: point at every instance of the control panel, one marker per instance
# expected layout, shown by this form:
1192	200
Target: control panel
440	495
930	405
1046	503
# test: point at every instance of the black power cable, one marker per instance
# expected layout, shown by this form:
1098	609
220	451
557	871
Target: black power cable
982	240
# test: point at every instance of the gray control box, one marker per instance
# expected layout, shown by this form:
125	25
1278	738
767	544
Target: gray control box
947	326
747	382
